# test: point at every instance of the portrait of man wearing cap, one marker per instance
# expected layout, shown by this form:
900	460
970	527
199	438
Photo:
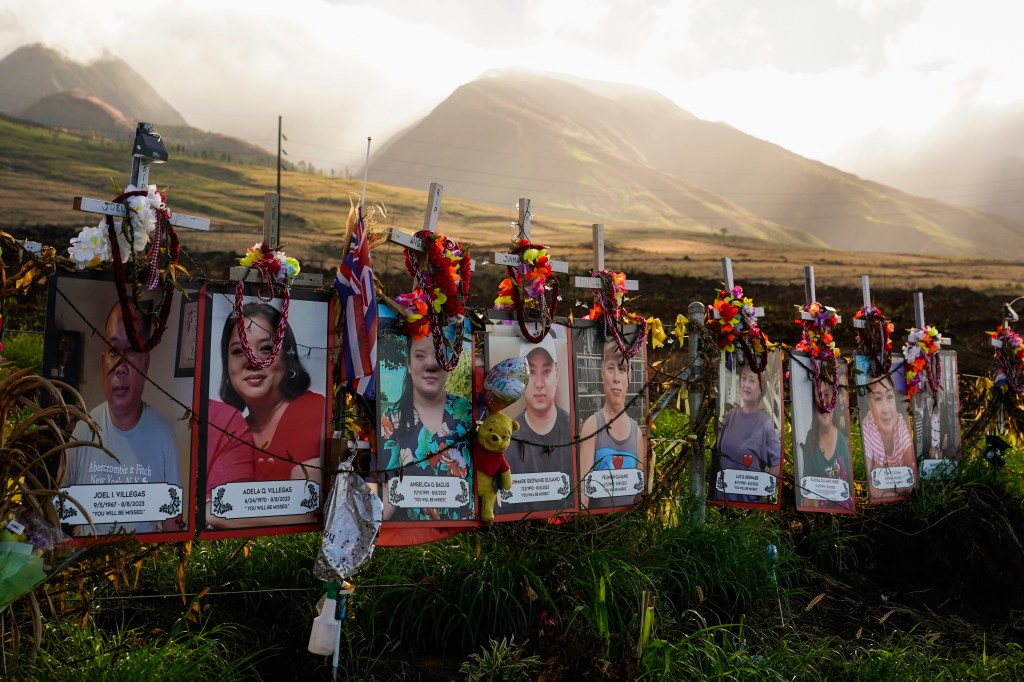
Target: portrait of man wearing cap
544	422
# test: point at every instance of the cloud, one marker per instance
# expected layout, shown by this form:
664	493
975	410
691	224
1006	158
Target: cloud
811	75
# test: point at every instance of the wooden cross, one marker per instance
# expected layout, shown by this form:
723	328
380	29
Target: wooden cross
810	296
406	240
919	316
272	238
729	284
595	282
147	150
511	260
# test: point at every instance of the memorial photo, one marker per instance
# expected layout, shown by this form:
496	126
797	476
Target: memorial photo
265	415
134	476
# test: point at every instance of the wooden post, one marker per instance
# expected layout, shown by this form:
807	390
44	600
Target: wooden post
147	150
595	282
272	238
433	207
525	217
696	396
406	240
727	273
507	259
919	309
919	321
271	220
865	295
809	293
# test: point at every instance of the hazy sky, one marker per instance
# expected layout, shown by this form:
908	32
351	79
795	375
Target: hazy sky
814	76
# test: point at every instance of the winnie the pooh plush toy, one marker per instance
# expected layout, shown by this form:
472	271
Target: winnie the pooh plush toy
493	436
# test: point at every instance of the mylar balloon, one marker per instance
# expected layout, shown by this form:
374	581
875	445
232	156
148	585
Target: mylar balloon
506	383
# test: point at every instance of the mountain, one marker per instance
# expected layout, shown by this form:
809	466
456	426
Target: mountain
970	157
33	72
622	154
79	111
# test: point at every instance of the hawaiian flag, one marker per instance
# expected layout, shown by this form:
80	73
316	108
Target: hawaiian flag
359	322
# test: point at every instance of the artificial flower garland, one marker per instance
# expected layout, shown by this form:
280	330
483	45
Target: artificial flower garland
736	324
147	221
817	341
442	287
1009	354
922	359
530	287
875	340
273	266
608	306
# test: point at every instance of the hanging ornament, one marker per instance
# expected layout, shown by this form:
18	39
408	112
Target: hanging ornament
442	275
875	340
530	290
1009	356
921	353
147	222
275	269
608	306
736	325
817	341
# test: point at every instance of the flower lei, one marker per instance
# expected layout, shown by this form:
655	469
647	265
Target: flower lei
922	356
736	323
442	285
874	340
147	221
608	305
817	341
1009	353
272	266
525	290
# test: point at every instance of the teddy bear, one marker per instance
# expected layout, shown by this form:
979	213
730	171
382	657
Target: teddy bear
493	436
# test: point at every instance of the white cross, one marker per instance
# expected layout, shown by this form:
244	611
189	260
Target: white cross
148	149
271	237
512	260
595	282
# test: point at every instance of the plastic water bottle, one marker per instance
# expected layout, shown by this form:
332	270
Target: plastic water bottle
326	625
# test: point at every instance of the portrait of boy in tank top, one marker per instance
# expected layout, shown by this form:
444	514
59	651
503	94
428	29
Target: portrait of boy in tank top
613	446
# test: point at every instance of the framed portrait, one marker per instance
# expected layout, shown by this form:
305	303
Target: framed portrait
746	461
424	463
542	454
936	416
821	442
612	419
890	462
188	336
136	402
264	411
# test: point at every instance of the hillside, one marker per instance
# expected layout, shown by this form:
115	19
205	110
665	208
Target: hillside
42	169
33	72
630	156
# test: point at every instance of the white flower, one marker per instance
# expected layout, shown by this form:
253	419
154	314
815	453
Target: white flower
91	247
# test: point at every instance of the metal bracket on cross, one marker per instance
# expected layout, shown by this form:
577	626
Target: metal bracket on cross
148	149
919	316
272	238
810	296
595	282
729	284
510	260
